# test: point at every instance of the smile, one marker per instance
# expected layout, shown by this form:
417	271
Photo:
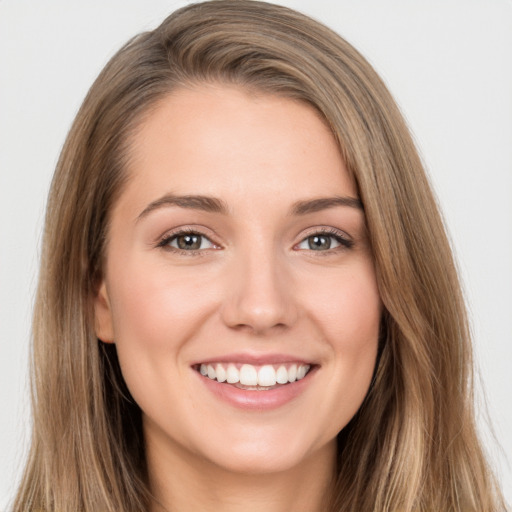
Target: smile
256	382
254	377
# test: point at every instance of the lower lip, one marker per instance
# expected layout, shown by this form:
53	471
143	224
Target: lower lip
254	399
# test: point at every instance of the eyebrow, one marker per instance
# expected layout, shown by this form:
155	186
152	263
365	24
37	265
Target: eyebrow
203	203
215	205
324	203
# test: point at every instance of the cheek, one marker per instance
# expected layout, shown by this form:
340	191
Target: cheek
152	305
348	312
155	314
355	329
349	309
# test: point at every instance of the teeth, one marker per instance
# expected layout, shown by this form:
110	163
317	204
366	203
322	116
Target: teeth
249	375
292	373
282	375
232	374
266	376
221	373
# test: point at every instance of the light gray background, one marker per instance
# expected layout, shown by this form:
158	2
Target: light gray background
449	65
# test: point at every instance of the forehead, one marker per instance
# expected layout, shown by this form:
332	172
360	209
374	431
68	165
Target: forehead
227	142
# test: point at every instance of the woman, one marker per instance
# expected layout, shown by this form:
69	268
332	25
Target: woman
247	298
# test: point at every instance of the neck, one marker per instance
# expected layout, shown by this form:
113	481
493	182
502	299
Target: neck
180	481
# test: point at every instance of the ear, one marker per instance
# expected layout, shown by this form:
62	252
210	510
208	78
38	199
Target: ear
103	324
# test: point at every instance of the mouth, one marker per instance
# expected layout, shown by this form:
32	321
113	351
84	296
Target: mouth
251	377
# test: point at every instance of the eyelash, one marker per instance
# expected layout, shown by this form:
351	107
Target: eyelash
168	238
343	240
339	236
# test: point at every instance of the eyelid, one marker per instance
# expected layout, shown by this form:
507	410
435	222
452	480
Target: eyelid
326	230
345	240
164	240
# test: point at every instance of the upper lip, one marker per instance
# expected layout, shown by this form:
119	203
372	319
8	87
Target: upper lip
254	359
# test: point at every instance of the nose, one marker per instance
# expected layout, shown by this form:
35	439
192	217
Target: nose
259	297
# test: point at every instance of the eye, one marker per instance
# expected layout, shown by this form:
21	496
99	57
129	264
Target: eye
323	241
187	241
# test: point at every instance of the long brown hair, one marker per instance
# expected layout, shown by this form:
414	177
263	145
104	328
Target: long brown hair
412	446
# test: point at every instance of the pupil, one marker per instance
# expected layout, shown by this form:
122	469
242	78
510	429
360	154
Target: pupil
189	242
319	242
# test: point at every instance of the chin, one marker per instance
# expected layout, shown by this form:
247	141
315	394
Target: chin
262	455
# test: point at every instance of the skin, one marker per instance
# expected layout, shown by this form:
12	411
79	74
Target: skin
256	286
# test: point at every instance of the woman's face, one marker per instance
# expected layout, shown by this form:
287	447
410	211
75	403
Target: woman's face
238	249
